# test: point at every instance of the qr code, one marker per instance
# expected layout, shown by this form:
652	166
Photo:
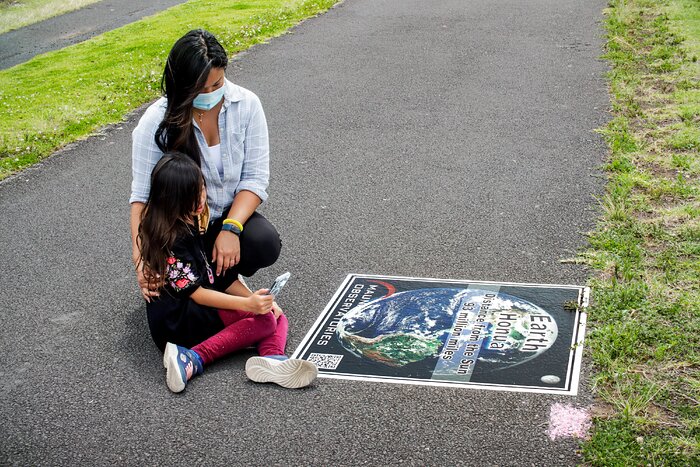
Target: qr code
325	361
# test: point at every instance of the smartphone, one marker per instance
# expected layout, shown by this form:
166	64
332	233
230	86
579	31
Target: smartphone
279	283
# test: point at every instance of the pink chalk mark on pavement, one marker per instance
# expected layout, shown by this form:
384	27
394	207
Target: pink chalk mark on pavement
566	421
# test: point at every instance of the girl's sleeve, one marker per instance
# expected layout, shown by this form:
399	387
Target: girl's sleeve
181	274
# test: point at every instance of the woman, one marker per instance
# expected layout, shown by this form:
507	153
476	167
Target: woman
223	128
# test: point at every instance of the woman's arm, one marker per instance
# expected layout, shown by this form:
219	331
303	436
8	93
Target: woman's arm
135	220
251	189
258	303
244	205
144	156
227	247
255	171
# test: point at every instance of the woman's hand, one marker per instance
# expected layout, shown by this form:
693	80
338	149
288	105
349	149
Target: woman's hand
144	284
260	302
227	247
227	251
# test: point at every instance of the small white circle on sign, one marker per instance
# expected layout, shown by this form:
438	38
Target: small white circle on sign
550	379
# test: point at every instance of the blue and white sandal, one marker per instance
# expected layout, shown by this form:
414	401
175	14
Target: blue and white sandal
181	364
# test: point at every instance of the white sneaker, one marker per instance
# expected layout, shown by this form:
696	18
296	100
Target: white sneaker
288	373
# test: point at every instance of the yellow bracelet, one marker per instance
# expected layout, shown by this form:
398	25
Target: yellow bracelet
234	222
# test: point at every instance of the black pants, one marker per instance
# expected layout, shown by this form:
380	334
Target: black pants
260	248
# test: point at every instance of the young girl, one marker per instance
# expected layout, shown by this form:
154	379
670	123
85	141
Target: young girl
193	323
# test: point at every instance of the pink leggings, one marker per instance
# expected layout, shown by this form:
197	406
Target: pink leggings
241	330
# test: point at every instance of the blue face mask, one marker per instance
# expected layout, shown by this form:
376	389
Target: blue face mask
208	100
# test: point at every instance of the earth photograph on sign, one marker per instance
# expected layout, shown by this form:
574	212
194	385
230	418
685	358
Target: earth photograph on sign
488	335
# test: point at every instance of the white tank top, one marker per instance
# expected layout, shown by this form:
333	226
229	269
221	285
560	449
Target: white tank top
214	157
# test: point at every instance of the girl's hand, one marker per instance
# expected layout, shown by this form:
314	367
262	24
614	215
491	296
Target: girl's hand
276	310
144	284
260	302
227	251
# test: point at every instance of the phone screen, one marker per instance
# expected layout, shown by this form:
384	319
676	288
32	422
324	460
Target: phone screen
279	283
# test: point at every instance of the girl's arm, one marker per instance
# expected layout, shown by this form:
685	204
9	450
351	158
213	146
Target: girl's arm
241	289
258	303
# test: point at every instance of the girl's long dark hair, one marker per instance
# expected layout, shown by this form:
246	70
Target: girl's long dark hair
186	72
176	190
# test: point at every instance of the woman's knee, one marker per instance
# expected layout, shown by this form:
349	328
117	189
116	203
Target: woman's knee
260	242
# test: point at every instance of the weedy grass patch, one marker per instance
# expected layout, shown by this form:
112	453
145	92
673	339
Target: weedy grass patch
644	337
17	13
65	95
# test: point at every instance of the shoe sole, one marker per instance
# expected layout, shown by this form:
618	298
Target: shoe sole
168	349
172	375
291	373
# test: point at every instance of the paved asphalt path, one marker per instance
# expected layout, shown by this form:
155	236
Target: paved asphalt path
447	139
20	45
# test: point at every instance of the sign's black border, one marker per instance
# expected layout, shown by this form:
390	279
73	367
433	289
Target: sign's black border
575	356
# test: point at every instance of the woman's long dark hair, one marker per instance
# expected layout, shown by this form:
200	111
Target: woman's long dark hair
176	190
190	60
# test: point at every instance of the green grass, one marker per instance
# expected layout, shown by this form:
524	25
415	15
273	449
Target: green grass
644	337
17	13
62	96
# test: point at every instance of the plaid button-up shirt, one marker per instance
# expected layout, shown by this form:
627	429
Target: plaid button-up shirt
245	150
